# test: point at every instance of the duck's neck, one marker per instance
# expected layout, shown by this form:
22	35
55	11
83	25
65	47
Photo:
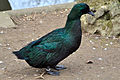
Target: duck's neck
73	25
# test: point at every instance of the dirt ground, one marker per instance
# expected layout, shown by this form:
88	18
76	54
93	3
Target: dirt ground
98	58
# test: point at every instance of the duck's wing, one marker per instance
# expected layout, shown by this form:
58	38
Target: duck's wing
45	46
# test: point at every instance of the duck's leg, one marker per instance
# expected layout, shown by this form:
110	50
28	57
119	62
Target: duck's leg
41	76
50	72
60	67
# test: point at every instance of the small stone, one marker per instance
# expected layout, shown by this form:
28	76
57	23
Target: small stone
21	77
35	75
90	62
1	62
32	39
3	68
105	49
102	67
96	37
8	44
41	21
100	59
66	9
9	77
9	48
98	75
0	44
37	70
107	37
106	44
27	42
93	48
91	42
5	57
114	37
37	38
111	43
1	32
3	12
61	12
104	7
114	67
25	75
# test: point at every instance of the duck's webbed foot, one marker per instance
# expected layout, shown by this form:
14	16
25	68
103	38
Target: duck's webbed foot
60	67
50	72
41	76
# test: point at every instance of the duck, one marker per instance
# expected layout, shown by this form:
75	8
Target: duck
55	46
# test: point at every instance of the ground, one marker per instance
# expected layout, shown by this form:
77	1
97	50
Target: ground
98	58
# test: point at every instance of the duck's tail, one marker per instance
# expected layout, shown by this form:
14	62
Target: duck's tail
19	56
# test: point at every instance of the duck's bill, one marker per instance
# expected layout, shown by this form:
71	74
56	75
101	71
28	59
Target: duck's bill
91	13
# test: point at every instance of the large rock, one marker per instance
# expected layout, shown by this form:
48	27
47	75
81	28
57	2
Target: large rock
4	5
106	21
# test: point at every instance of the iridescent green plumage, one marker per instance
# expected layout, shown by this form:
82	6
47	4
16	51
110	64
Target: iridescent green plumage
49	50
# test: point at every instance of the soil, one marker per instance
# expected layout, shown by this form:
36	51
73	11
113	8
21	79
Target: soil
98	58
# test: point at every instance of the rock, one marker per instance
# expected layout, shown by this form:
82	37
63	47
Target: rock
5	20
114	10
106	21
100	12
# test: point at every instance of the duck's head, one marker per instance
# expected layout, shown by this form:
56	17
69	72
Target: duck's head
79	9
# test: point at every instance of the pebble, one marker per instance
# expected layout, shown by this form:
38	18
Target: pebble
41	21
27	42
32	39
111	43
37	38
96	37
9	77
114	67
66	9
90	62
61	12
37	70
93	48
3	68
102	67
98	75
3	12
100	59
106	44
91	42
114	37
1	62
0	44
8	44
35	75
9	48
104	7
21	77
105	49
25	75
107	37
1	32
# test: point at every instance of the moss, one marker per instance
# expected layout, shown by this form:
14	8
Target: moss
103	27
109	24
107	16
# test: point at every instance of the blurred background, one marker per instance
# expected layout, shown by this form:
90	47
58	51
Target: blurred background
21	4
107	13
